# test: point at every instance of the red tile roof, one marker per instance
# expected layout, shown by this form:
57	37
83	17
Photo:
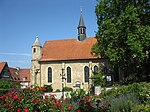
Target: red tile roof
21	74
70	49
2	65
14	74
24	73
17	76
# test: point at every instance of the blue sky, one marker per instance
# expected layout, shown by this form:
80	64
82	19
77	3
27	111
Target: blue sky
22	20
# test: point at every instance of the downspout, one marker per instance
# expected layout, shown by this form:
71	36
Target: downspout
40	73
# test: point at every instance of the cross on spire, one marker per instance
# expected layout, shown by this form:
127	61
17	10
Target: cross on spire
81	10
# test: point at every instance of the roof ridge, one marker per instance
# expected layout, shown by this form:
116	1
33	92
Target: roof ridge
3	62
68	39
24	68
62	39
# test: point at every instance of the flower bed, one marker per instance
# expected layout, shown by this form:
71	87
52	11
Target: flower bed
31	100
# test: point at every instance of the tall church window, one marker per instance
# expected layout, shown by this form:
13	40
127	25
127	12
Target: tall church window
86	74
95	69
34	50
49	74
68	75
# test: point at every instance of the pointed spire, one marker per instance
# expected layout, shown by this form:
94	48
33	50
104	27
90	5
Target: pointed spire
81	22
37	42
81	28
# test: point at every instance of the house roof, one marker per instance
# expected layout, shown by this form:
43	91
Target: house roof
69	49
24	73
20	74
2	65
14	74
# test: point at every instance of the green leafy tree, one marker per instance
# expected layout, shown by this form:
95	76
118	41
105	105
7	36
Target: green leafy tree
98	79
123	35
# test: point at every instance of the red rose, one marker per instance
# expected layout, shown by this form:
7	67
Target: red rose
6	104
88	103
79	110
102	107
89	106
59	104
87	97
69	108
107	101
62	97
43	89
26	110
98	101
15	87
82	100
30	88
15	97
12	93
2	97
66	99
52	95
19	110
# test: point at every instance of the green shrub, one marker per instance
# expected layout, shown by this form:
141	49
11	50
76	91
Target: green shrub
58	90
7	85
98	79
78	94
48	88
141	89
125	102
3	91
144	108
138	95
68	89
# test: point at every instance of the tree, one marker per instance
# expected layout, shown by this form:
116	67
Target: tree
98	78
123	35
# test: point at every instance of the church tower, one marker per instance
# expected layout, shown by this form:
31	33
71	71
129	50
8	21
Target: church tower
81	28
35	65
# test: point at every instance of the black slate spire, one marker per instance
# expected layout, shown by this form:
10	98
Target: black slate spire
81	28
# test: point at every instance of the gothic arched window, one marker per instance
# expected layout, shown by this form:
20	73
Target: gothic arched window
86	74
49	74
68	75
95	69
34	50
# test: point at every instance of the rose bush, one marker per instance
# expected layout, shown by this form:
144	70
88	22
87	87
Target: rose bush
32	99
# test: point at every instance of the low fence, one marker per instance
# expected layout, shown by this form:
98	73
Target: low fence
57	95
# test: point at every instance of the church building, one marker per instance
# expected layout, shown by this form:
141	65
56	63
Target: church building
65	63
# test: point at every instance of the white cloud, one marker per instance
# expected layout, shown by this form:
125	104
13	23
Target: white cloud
16	54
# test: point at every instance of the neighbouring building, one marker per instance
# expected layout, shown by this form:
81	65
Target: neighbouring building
67	62
4	71
24	77
15	74
20	75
